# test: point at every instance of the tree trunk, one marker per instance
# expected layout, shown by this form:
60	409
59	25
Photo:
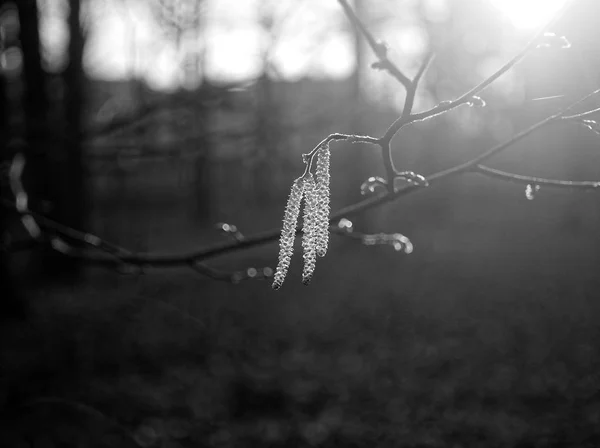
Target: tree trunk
38	142
12	305
71	209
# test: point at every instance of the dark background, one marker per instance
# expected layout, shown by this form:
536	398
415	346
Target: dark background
486	335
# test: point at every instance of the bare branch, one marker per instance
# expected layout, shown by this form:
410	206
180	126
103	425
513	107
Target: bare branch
308	158
531	180
466	97
107	254
423	68
582	115
192	258
379	48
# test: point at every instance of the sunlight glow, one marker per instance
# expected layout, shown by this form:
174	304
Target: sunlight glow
528	13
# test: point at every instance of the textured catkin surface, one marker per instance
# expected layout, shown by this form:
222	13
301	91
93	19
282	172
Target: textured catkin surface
288	232
309	229
323	199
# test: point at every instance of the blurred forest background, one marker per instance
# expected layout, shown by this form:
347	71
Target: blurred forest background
147	122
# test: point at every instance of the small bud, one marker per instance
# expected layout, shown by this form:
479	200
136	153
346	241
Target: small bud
551	40
381	49
530	191
410	177
476	101
377	65
346	224
372	184
592	125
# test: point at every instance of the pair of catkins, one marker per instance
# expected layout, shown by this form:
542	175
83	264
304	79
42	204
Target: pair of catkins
315	226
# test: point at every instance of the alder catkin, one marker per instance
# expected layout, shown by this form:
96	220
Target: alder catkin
288	232
322	188
309	235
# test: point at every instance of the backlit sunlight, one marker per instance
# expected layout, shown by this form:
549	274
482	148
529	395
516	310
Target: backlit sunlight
528	13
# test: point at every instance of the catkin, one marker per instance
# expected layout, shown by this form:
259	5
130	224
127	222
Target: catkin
288	232
322	189
309	241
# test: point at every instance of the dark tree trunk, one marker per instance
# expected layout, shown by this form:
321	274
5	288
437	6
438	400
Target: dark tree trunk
34	105
11	305
71	209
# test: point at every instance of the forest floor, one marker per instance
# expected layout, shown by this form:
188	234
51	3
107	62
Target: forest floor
486	336
443	355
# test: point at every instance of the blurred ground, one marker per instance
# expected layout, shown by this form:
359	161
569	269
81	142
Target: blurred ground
486	336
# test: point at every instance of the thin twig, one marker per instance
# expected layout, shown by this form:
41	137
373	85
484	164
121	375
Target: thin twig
531	180
379	48
335	137
582	115
423	68
412	91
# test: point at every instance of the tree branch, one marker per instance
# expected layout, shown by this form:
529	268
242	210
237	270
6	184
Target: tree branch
531	180
107	254
446	106
115	256
379	48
